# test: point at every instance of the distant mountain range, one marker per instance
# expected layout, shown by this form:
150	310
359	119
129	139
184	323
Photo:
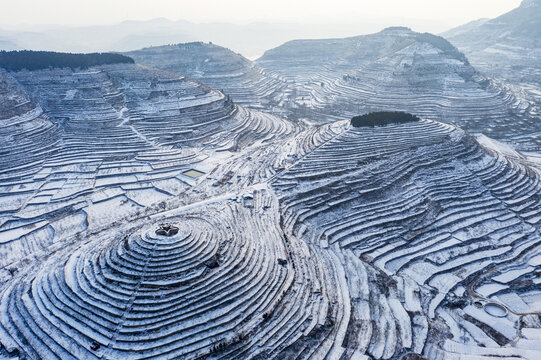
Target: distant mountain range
251	39
508	46
520	27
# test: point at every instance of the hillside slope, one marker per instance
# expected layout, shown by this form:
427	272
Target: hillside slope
27	135
398	69
387	242
108	143
508	46
217	67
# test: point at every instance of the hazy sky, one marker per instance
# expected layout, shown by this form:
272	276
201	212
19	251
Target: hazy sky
438	14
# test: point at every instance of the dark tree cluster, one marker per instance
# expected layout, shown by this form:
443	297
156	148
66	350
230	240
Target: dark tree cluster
36	60
382	118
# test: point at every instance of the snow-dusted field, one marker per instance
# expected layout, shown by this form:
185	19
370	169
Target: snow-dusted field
295	241
399	69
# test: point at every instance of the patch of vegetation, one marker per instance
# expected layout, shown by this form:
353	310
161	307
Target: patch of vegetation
36	60
397	28
383	118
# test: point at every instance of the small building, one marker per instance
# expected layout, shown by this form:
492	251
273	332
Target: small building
248	201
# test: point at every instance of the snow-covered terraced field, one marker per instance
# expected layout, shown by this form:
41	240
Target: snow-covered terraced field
109	144
27	135
217	289
217	67
422	221
410	241
398	69
359	257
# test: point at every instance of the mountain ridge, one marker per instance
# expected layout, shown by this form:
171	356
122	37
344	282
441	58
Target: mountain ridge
507	47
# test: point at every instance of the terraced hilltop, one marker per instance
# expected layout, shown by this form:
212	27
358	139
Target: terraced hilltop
108	143
398	69
217	67
507	47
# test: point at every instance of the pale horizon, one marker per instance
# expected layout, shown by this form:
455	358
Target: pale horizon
421	15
